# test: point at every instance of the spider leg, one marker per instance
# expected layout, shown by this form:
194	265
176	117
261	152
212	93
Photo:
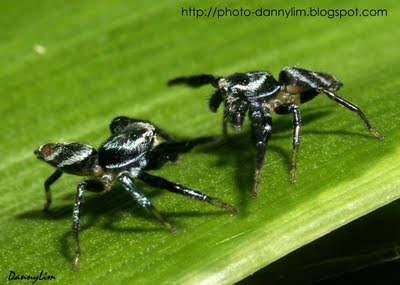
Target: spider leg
127	183
164	135
181	146
294	109
224	127
49	181
200	80
162	183
296	140
89	185
350	106
261	130
195	80
215	100
225	118
169	151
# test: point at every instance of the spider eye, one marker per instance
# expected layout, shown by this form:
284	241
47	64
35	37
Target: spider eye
44	150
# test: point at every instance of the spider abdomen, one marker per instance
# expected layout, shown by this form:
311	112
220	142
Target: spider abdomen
128	148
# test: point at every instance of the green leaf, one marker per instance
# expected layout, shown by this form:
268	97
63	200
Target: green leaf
69	68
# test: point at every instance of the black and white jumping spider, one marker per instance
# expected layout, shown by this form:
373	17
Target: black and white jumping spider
133	148
259	93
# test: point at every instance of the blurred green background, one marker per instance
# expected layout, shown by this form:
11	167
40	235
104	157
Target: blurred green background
69	67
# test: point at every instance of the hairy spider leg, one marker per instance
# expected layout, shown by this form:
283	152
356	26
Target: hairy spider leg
89	185
224	127
159	182
169	151
164	135
49	181
127	182
296	140
261	129
296	120
181	146
350	106
200	80
196	80
215	100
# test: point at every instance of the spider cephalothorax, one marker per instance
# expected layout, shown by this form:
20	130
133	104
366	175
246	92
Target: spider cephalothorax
134	146
258	93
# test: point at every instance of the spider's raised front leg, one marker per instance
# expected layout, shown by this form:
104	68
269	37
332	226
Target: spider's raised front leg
199	80
294	109
261	130
127	182
169	151
195	80
162	183
350	106
89	185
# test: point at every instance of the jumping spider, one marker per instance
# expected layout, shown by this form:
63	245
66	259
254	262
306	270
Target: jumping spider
259	93
133	148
